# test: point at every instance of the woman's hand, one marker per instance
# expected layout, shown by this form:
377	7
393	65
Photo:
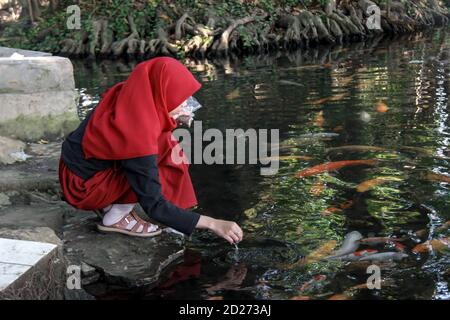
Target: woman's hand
228	230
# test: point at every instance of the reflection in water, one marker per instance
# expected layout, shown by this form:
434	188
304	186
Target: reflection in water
384	100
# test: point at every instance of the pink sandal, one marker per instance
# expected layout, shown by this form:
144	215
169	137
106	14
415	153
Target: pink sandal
147	230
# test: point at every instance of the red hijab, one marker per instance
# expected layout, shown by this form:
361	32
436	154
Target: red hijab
132	120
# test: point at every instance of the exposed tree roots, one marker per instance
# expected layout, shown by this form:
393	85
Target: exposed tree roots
351	20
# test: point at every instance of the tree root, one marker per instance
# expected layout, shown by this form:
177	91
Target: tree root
212	35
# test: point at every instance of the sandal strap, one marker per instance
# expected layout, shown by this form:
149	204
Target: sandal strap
138	225
132	216
124	222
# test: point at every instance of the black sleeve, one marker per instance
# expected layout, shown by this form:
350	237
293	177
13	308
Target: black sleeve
142	175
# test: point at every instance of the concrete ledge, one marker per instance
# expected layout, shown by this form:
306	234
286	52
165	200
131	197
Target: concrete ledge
7	52
18	262
36	86
36	74
37	104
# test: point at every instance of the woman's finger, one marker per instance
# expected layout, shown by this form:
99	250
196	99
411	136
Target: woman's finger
234	237
239	232
238	236
229	239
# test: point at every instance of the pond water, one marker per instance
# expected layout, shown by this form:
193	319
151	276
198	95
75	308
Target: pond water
386	99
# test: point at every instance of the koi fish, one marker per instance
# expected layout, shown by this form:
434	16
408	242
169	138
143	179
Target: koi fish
399	246
437	177
355	256
382	107
329	211
339	208
292	83
339	296
318	135
329	166
435	244
369	184
320	252
300	298
350	244
356	148
312	282
283	158
380	240
335	97
445	226
416	150
385	256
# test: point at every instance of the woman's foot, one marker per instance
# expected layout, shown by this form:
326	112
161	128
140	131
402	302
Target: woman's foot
102	212
132	225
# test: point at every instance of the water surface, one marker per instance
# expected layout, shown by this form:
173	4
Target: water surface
391	94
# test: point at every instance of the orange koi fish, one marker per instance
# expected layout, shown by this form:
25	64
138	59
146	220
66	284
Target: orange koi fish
433	245
339	208
330	166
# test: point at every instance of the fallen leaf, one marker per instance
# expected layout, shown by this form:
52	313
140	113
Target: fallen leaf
317	189
250	213
233	94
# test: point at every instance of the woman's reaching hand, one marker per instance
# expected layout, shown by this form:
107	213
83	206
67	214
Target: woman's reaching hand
227	230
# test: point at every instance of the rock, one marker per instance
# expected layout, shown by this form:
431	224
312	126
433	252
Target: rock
10	150
87	270
4	200
22	180
79	294
7	52
35	87
36	75
121	260
87	280
43	279
18	219
34	127
50	150
39	234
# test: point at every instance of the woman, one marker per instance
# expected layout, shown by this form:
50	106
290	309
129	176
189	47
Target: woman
121	155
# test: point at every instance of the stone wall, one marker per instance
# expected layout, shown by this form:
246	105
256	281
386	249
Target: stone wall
36	86
37	100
